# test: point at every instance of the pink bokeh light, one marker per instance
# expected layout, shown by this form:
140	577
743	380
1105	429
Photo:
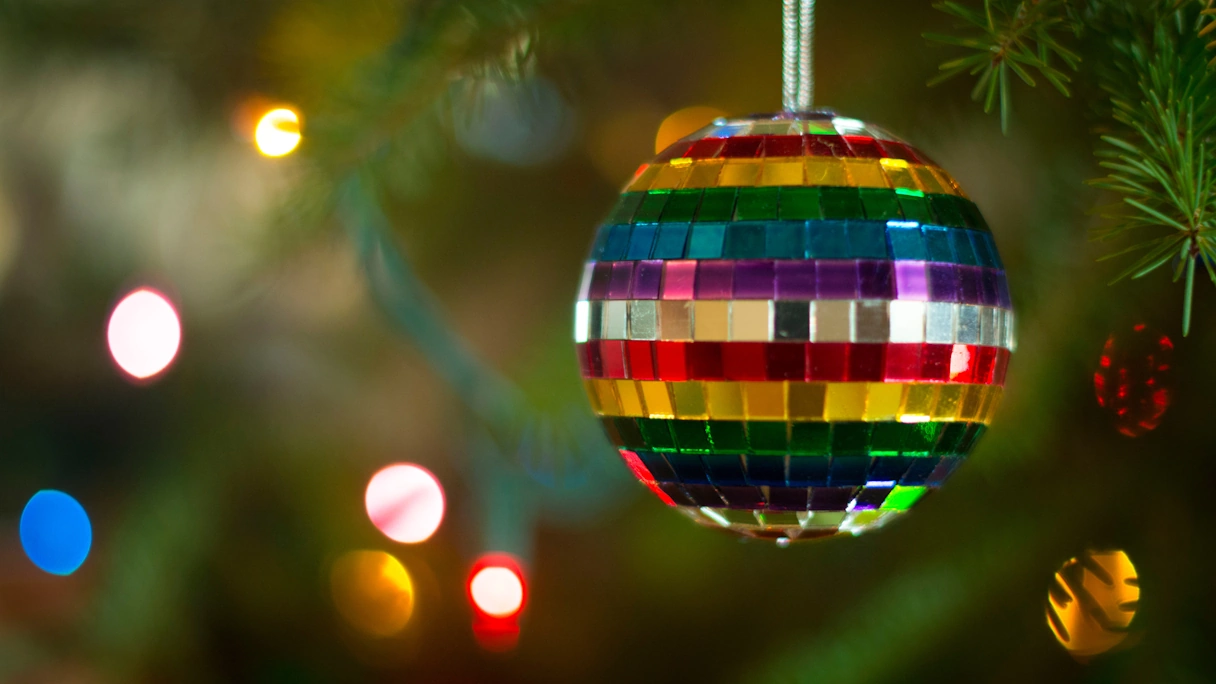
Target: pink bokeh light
405	502
144	333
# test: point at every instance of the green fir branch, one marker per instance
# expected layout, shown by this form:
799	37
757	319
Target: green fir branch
568	442
1019	37
1160	163
1206	23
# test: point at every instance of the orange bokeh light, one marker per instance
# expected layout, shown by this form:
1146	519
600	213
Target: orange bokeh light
682	123
373	591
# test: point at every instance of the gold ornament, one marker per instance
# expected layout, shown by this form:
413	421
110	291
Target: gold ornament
1092	602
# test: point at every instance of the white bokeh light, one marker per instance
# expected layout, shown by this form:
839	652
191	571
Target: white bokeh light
405	502
278	132
497	591
144	333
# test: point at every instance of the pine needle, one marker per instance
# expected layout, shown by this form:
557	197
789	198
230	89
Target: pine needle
1014	36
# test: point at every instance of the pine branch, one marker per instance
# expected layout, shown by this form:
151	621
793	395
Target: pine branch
1206	23
553	450
384	131
1013	37
1160	164
376	117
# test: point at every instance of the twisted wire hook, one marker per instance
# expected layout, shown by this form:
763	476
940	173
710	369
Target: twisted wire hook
798	74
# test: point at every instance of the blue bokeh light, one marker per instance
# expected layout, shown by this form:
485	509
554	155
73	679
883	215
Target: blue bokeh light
526	123
55	532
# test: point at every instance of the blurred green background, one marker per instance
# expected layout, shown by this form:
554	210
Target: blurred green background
221	495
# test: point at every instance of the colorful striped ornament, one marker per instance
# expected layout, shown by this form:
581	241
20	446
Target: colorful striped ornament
793	326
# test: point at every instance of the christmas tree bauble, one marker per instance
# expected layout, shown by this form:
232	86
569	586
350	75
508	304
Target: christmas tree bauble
793	325
1092	602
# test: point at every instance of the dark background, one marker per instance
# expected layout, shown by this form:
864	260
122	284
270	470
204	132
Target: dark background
220	494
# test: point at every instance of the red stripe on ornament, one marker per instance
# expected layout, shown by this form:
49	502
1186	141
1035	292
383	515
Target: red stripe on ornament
757	146
671	361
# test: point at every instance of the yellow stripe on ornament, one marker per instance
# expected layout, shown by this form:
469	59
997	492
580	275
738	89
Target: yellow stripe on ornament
910	402
795	171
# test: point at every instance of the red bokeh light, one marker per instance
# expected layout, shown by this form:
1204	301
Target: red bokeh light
1133	379
497	591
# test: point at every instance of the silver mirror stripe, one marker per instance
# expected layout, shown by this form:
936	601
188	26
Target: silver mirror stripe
864	320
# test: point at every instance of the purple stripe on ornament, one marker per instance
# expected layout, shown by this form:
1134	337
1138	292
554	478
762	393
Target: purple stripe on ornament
600	275
969	283
584	287
910	282
647	279
836	279
943	283
877	281
755	279
795	280
1002	293
620	284
789	280
988	287
715	279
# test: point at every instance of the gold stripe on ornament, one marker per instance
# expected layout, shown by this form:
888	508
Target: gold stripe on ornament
910	402
795	171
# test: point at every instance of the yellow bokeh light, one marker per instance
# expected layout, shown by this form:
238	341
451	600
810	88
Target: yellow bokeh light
372	591
684	122
278	132
1092	603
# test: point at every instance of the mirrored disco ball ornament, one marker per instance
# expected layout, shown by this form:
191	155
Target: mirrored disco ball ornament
793	326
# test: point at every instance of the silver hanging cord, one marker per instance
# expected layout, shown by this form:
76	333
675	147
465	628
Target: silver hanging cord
798	73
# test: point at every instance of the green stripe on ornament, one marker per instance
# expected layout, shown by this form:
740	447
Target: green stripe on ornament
720	205
797	439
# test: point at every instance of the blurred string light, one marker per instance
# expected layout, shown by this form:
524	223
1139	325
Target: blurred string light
372	591
55	532
277	132
1092	601
684	122
525	123
405	502
498	593
144	333
1133	379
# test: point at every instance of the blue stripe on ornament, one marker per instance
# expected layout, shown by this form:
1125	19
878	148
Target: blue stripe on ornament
895	240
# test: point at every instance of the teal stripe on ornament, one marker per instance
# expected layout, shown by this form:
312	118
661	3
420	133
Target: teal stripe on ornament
718	205
897	240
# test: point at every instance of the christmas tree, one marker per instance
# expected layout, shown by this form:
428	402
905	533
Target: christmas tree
356	229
